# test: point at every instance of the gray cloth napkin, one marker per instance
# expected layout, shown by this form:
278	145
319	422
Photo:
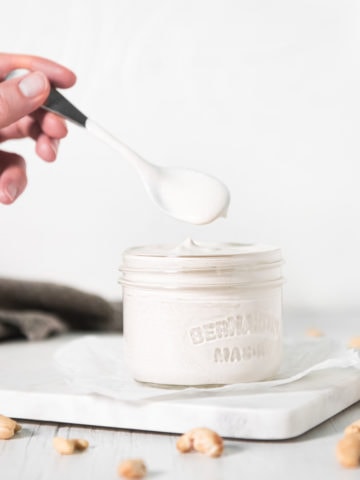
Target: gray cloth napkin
37	310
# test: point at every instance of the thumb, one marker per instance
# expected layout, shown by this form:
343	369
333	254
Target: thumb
21	96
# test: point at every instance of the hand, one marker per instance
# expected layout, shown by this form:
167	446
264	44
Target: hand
20	117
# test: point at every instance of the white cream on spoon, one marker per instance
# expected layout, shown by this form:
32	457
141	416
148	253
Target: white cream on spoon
185	194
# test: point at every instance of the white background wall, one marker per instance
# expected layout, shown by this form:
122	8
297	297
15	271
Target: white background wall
263	94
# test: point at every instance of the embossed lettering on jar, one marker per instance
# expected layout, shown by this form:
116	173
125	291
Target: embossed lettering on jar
202	314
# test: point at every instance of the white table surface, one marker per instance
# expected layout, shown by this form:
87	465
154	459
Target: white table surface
30	454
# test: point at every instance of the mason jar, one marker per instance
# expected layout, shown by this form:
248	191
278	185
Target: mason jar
202	314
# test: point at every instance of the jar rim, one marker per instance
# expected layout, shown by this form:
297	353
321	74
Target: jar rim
191	249
273	283
154	258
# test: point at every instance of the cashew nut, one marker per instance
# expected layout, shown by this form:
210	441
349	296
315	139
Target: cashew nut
67	446
132	468
314	332
354	342
353	428
348	450
8	427
202	440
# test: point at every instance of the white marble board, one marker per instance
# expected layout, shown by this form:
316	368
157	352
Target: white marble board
32	388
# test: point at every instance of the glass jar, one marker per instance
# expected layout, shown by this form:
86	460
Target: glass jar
202	314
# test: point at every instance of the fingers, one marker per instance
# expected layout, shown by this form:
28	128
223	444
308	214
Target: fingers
44	127
21	96
20	99
51	124
32	125
58	75
12	177
25	127
47	147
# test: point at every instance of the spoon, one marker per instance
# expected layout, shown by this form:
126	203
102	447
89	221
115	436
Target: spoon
187	195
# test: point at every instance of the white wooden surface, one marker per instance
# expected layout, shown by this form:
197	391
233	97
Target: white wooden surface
30	455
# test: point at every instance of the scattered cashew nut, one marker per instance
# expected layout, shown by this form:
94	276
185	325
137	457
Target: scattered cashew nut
8	427
354	342
68	446
132	468
353	428
202	440
314	332
348	450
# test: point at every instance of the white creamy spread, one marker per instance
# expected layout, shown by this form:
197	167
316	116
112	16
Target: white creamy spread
191	248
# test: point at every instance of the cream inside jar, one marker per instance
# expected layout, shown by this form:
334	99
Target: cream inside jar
201	313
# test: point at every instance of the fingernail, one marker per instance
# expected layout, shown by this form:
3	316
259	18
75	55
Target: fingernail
54	143
12	191
33	84
3	198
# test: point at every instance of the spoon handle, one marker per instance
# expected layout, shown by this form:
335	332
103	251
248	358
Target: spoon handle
57	103
60	105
